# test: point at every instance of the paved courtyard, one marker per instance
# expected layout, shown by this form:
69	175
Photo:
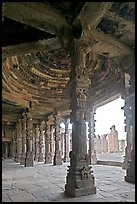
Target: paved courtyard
45	183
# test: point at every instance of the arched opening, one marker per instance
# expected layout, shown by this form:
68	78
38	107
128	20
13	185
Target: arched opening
110	135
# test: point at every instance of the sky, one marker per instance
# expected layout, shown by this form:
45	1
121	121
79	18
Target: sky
108	115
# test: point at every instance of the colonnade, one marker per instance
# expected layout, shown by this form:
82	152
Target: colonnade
29	146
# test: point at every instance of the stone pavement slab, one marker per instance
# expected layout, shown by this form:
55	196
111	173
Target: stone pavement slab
46	183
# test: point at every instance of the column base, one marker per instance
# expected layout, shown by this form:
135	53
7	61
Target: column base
48	159
130	177
127	159
22	160
40	158
80	180
57	159
36	158
125	164
73	192
66	159
18	159
29	159
93	158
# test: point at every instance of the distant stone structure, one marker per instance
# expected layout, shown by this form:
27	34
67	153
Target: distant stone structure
113	140
109	142
104	143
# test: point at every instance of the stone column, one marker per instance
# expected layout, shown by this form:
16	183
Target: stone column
15	143
29	140
41	135
23	154
80	180
6	150
129	112
91	134
19	140
66	141
48	155
57	156
130	177
51	140
36	143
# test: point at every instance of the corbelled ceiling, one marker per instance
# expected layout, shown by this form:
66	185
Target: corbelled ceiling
36	53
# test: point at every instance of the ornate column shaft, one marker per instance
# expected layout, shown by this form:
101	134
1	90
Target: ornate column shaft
48	155
130	129
19	140
15	143
51	140
57	156
29	140
91	125
36	143
129	112
80	180
41	135
23	155
66	141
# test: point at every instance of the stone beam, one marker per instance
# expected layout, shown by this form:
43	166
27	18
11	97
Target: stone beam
37	15
92	13
25	48
104	44
99	42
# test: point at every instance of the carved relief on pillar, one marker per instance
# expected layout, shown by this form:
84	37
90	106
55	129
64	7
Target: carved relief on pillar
129	112
57	156
79	175
37	132
91	128
19	140
48	153
29	140
66	140
15	143
23	154
41	136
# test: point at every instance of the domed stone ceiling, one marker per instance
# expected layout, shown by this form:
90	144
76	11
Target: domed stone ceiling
36	70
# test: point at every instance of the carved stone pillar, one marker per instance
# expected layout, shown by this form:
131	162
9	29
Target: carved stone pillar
130	129
19	140
41	135
57	156
23	154
15	143
51	140
91	125
48	155
129	112
66	141
36	143
29	140
80	180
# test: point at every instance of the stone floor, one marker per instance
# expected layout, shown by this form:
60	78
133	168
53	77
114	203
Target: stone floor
45	183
